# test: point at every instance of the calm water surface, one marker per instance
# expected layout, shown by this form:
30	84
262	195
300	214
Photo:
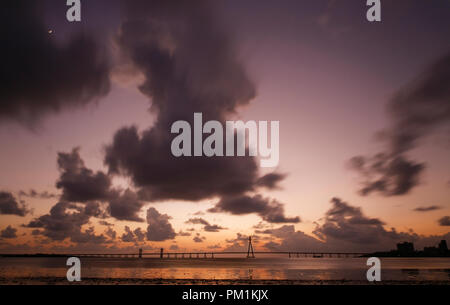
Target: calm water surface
232	268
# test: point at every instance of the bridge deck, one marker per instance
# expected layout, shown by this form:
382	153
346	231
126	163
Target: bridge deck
203	254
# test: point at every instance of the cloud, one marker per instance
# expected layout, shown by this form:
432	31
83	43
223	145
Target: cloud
213	228
179	81
270	210
270	180
140	235
65	220
197	220
173	63
347	223
81	184
444	221
105	223
128	236
41	76
78	183
206	225
9	205
133	236
35	194
214	247
416	111
88	236
345	228
159	227
292	239
198	238
240	243
427	208
36	232
126	206
390	175
111	233
182	233
8	232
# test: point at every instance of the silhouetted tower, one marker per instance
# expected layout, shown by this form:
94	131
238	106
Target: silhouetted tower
250	253
443	247
161	254
140	253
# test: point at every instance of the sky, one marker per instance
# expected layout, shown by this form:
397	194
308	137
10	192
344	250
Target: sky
86	109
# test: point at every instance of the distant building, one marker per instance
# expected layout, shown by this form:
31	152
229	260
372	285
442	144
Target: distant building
405	248
440	250
431	251
443	246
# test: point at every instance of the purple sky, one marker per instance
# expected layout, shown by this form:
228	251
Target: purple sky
319	68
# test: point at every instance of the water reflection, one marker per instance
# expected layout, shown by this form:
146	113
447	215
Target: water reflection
231	268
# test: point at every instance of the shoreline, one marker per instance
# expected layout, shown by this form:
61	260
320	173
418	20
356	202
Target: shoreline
136	281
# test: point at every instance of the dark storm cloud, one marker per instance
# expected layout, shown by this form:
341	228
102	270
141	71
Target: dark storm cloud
95	209
81	184
159	227
206	225
428	208
270	210
444	221
41	76
189	65
78	183
10	206
416	110
348	223
8	232
126	206
65	221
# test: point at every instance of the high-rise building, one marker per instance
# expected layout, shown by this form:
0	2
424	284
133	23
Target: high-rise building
443	246
405	248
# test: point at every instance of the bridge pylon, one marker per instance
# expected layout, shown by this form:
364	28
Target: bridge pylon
250	253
